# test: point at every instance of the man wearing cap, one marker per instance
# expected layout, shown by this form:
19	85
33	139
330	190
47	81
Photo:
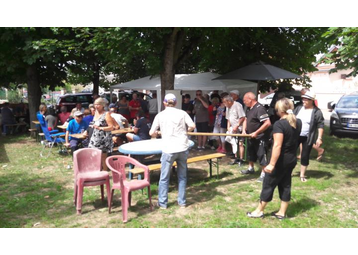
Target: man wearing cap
235	94
312	128
75	126
174	125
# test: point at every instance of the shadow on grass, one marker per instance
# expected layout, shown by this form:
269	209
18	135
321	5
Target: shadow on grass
140	204
318	174
353	174
25	198
302	205
3	156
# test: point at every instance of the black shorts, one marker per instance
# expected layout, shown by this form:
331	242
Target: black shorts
202	126
282	179
257	150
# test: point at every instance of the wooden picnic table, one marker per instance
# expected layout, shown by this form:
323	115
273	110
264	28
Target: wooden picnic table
114	132
62	126
78	136
122	131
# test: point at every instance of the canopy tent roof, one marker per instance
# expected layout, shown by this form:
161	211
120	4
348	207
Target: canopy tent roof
189	82
259	71
203	81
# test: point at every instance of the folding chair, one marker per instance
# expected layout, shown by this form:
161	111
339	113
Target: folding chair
51	137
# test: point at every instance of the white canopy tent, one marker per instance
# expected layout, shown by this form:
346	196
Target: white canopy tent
188	83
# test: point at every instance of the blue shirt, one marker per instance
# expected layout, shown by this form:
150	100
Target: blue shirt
143	131
75	128
88	119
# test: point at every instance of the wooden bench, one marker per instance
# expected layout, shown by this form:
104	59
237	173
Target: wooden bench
16	125
33	132
208	157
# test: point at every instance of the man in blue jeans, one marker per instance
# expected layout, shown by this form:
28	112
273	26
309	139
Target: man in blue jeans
174	125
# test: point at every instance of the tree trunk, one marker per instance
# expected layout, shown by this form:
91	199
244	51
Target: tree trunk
95	78
167	76
34	92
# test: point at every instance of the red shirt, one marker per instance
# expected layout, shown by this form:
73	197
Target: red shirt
211	115
134	104
63	116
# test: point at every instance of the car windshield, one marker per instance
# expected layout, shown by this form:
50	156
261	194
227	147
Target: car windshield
348	102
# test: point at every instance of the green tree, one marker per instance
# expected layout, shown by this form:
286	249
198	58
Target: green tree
26	56
345	56
166	51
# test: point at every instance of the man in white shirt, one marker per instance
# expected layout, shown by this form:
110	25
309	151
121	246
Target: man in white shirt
174	125
118	117
235	116
153	107
118	138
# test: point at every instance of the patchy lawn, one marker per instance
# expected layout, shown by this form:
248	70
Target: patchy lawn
38	193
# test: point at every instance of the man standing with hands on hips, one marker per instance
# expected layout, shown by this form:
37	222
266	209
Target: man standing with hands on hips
174	125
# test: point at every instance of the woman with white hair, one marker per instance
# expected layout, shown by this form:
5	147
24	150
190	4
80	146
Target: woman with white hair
102	127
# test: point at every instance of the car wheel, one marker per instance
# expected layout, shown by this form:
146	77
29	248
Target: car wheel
331	132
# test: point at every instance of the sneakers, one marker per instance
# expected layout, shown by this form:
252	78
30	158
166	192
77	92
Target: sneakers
201	148
160	207
260	179
182	206
240	162
223	151
248	171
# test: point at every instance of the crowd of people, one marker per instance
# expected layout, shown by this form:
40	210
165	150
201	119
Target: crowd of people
274	136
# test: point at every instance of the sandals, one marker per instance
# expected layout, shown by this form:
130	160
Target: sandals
254	216
279	217
320	156
303	178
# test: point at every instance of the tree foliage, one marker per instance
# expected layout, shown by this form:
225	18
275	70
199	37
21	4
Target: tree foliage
52	56
345	57
137	52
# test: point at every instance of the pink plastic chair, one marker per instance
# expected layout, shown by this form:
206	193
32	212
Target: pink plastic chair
87	168
117	165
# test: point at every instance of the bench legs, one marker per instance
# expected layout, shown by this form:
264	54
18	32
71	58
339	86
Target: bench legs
211	163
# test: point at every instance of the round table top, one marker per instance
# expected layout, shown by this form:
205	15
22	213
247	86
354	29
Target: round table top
145	147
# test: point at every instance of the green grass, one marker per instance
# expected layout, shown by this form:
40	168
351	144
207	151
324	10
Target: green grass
38	192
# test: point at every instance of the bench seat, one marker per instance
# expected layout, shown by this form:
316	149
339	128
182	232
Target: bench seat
208	157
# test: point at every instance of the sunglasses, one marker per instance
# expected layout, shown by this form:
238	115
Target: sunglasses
198	94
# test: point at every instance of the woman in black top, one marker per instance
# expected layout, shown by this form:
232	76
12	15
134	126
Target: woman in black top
286	133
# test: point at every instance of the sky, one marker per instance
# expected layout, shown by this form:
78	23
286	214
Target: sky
207	13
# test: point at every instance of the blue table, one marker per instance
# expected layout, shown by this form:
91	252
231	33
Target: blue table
145	147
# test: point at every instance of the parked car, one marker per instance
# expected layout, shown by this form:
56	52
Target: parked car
70	101
293	95
127	94
344	117
266	101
